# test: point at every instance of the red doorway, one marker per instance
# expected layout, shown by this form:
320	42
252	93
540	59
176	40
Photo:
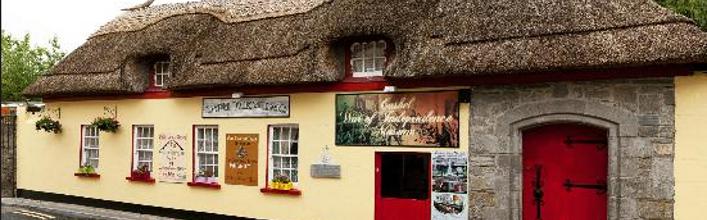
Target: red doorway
565	172
402	186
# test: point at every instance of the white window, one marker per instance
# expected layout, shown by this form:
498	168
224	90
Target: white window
283	151
161	73
89	146
143	144
206	150
368	58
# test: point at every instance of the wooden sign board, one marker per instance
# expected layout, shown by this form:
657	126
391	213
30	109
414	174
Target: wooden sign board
249	107
242	159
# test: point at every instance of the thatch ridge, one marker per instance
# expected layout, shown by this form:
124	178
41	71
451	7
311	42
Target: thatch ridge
430	39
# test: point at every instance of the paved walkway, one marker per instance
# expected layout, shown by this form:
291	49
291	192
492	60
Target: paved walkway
20	208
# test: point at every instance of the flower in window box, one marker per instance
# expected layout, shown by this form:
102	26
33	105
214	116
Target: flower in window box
86	169
143	173
205	177
48	125
106	124
281	182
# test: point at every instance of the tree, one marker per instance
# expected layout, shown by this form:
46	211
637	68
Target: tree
695	9
22	63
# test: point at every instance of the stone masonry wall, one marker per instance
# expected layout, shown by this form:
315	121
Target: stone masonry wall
639	113
7	140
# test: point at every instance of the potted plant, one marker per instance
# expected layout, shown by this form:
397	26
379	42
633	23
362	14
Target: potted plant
142	172
106	124
205	176
281	182
86	170
48	125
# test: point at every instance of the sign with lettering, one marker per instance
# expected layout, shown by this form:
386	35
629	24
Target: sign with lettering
172	158
251	107
449	186
242	159
325	170
425	119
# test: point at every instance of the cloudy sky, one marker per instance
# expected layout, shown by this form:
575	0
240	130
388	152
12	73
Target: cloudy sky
72	21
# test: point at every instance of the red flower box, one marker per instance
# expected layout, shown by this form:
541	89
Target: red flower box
294	192
205	185
140	179
88	175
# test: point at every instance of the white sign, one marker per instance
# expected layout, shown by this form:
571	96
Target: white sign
449	185
252	107
172	158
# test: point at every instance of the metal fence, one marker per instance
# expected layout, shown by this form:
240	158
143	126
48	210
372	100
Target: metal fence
9	146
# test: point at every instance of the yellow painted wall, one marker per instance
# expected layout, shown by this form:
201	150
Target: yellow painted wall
690	146
46	162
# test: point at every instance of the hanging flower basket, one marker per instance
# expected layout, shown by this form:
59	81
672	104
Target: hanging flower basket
106	124
48	125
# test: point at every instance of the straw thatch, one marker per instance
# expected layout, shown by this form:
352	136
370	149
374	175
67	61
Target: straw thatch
222	43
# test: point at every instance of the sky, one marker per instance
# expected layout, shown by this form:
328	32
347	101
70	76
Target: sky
71	21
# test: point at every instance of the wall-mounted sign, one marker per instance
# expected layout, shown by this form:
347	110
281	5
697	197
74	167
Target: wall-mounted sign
425	119
251	107
449	185
172	158
325	167
242	159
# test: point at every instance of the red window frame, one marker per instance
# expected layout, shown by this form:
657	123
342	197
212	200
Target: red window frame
348	74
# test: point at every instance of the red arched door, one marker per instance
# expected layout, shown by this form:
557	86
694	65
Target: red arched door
565	172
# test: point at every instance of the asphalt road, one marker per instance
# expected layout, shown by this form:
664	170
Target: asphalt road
16	213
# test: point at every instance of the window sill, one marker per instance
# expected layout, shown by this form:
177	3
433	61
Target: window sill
294	192
139	179
204	185
88	175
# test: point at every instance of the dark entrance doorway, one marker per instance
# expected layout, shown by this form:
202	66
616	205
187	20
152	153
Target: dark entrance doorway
402	186
565	172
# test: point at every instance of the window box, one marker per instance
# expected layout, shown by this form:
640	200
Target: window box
294	192
140	179
212	185
88	175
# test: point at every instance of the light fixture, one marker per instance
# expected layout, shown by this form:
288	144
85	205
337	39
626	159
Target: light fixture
236	95
389	89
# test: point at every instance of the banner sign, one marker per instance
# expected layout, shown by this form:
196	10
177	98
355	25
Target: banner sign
252	107
424	119
449	185
242	159
172	157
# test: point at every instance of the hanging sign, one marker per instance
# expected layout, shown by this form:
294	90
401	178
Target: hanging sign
172	157
425	119
251	107
242	159
449	185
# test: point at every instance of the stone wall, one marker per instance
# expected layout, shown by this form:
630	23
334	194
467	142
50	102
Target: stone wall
7	136
638	113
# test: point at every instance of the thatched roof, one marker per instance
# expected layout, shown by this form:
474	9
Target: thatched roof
231	43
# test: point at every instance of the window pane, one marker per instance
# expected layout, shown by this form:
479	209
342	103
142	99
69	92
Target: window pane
285	147
357	65
276	133
379	64
277	163
285	133
294	163
276	172
293	148
369	65
294	176
276	147
285	162
295	134
356	51
369	49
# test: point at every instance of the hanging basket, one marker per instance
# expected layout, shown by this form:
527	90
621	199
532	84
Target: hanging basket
48	125
106	124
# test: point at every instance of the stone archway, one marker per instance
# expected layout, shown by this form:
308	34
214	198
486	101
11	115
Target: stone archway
638	114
